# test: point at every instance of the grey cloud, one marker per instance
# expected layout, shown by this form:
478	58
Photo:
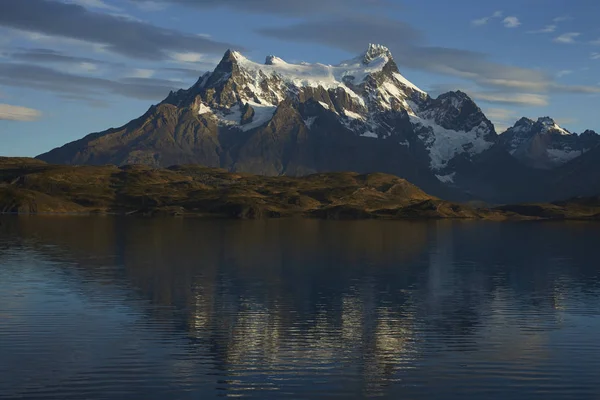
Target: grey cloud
186	72
124	36
54	56
93	102
284	7
575	89
62	83
148	82
354	33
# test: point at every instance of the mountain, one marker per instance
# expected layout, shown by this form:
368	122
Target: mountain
361	115
543	144
278	118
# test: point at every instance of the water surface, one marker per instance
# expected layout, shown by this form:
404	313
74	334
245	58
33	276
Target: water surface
103	308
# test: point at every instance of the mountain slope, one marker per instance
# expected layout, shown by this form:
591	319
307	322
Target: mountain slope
579	177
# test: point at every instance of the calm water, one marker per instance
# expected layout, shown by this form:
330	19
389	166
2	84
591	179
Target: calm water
98	308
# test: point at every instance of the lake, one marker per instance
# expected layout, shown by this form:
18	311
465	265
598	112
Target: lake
133	308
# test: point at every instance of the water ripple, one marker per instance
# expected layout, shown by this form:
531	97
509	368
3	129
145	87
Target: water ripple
103	308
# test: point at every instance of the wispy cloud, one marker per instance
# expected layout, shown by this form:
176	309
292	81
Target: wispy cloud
484	20
546	29
10	112
142	73
563	73
86	67
563	18
188	73
511	22
68	83
501	118
595	56
130	38
187	57
407	44
100	4
282	7
149	5
515	99
45	55
567	38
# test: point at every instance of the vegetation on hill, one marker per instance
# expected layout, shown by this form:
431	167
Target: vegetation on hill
30	186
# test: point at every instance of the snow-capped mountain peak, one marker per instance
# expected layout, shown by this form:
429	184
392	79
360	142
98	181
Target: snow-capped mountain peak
369	80
550	126
366	95
375	51
543	143
273	60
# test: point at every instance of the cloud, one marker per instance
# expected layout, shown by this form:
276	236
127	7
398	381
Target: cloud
501	118
95	4
484	20
480	21
120	35
515	99
595	56
353	34
86	67
562	18
511	22
574	89
499	113
567	38
283	7
65	83
16	113
142	73
563	73
40	55
186	72
149	6
546	29
191	57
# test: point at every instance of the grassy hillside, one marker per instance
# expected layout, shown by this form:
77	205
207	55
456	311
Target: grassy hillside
29	186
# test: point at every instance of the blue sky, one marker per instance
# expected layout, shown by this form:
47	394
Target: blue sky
72	67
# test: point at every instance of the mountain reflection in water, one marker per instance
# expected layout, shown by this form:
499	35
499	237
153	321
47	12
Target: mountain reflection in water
147	308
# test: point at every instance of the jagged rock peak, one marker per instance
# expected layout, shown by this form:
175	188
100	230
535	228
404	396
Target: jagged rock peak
546	121
230	55
589	132
525	122
549	125
375	51
455	98
273	60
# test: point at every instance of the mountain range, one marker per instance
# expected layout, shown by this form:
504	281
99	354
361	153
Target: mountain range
361	115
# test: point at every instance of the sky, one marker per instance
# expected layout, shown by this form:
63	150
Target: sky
72	67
